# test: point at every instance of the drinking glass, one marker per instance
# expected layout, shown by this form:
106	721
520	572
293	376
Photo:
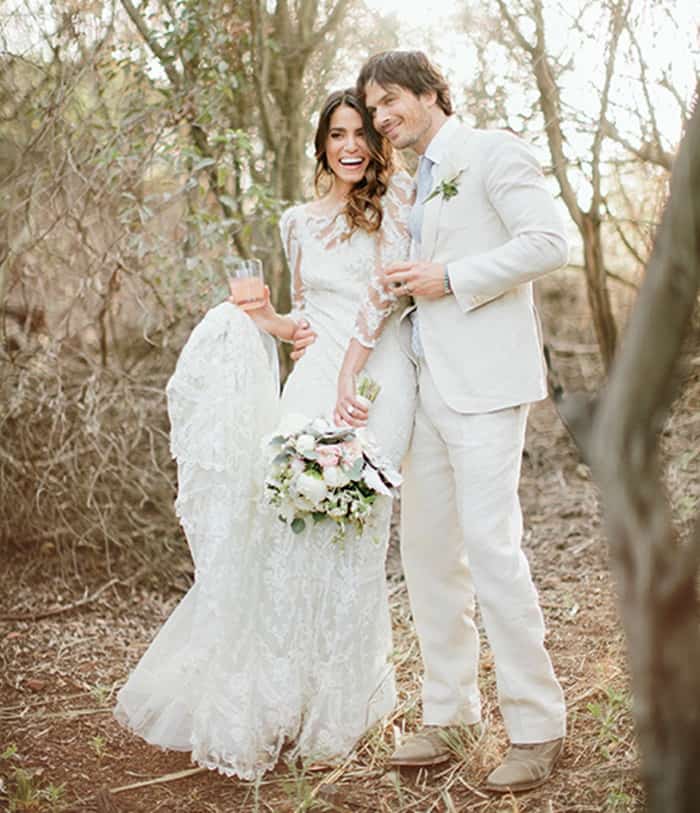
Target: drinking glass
245	279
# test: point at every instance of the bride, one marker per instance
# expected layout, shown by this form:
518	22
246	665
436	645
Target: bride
284	640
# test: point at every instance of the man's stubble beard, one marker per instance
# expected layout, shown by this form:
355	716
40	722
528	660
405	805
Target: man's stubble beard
413	138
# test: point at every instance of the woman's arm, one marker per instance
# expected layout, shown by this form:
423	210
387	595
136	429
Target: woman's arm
348	409
267	319
392	243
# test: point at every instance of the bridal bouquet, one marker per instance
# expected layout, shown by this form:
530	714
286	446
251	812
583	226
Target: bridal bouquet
323	472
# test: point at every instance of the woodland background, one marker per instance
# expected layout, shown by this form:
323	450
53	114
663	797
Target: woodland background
142	145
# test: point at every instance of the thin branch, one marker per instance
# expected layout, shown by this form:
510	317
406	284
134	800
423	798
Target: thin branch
618	17
160	780
621	234
261	73
332	21
550	103
649	153
149	38
37	616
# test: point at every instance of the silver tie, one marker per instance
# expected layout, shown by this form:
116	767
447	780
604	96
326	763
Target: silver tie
425	178
415	224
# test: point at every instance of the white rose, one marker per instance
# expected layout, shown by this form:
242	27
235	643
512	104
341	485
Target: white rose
305	443
291	423
321	425
335	477
296	465
311	487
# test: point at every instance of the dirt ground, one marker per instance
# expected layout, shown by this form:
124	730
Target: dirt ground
61	749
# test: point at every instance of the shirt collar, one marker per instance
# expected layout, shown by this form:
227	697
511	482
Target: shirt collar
437	148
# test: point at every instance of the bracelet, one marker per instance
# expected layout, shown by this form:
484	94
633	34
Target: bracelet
446	281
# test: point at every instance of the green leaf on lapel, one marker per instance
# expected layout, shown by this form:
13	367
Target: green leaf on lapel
447	188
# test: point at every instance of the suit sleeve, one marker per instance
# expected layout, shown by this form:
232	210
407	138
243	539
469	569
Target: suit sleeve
515	188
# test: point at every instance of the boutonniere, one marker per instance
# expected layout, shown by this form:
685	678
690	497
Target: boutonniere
448	188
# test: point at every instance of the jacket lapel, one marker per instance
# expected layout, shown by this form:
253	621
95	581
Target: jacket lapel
454	163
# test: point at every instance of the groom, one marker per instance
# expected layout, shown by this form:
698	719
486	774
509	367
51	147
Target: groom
483	226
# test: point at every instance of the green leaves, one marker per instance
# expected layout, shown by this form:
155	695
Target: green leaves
448	188
298	525
355	471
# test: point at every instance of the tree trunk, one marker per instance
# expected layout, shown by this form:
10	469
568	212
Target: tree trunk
597	288
656	574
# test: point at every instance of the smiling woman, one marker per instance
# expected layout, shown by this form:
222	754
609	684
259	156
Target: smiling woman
353	162
347	154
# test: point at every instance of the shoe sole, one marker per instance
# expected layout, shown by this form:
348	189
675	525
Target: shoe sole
517	788
422	763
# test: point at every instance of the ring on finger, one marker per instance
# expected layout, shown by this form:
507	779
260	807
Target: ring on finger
351	409
407	288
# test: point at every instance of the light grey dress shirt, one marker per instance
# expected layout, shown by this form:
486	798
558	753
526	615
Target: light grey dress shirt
434	153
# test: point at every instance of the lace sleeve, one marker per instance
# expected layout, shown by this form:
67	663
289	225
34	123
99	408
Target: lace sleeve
393	244
292	250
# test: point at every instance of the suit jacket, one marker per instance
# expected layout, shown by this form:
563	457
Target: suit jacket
498	233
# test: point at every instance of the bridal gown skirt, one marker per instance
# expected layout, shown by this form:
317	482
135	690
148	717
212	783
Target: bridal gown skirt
284	639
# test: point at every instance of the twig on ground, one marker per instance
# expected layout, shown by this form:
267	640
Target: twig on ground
159	780
472	789
57	715
37	616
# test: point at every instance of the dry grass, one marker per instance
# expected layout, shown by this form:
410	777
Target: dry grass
99	529
85	471
60	675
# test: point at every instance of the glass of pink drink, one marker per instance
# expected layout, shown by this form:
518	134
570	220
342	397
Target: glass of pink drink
245	279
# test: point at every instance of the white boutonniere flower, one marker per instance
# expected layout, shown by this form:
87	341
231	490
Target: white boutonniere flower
447	188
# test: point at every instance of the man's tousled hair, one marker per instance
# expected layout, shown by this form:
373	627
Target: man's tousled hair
407	69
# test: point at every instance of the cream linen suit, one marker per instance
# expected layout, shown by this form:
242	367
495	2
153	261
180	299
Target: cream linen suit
481	365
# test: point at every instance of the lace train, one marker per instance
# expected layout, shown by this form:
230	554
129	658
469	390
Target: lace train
282	638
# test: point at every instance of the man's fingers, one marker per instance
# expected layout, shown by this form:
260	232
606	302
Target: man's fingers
397	268
304	341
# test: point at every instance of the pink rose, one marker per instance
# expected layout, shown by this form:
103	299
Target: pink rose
328	456
351	450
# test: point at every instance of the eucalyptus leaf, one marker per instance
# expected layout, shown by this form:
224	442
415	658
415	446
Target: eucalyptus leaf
356	469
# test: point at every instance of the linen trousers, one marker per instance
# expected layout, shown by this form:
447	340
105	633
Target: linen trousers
461	531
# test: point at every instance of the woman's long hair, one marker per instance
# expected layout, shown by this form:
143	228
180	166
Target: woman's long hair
363	209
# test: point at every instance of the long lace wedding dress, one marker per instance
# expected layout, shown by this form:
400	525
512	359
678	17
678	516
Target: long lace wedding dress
284	639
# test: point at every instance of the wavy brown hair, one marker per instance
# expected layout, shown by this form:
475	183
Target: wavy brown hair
363	209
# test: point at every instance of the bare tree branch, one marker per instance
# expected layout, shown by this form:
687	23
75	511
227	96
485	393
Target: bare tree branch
157	50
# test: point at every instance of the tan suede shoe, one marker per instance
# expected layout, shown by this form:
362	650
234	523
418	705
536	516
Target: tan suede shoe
427	747
525	766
